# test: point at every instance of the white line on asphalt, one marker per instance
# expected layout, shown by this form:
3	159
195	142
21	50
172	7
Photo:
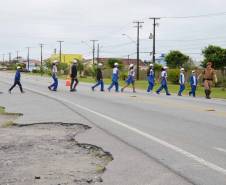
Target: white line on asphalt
220	149
146	135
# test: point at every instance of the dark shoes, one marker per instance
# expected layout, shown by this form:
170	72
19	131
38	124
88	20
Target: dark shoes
73	90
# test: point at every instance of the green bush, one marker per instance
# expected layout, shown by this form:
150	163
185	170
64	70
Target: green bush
90	71
173	75
123	75
36	71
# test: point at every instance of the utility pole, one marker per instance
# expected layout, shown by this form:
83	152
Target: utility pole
9	57
60	41
41	47
98	53
17	56
128	58
3	58
154	25
28	58
138	26
94	41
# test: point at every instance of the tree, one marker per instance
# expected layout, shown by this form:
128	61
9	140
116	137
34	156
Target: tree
216	55
176	59
111	62
80	67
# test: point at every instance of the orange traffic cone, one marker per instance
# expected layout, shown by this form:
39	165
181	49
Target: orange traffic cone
68	82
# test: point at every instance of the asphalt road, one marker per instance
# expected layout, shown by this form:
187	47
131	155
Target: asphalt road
155	139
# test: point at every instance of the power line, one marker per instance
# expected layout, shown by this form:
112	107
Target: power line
119	45
196	16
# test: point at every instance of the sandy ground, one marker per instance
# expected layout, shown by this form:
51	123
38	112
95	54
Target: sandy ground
48	154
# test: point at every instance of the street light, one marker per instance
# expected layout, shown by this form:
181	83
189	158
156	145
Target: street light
130	38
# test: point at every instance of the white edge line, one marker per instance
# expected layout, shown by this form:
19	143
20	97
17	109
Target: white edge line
220	150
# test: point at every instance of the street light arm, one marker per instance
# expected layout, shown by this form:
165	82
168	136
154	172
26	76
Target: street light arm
84	42
130	38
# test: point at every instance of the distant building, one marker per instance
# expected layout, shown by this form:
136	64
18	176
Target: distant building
67	58
33	64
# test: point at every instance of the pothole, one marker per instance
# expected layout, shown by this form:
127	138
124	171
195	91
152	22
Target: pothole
210	110
48	153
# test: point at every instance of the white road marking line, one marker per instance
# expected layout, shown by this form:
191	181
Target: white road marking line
220	149
146	135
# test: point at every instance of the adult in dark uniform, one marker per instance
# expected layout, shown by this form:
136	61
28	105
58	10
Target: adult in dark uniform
73	75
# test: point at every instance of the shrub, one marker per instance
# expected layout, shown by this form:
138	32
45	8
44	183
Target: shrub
173	75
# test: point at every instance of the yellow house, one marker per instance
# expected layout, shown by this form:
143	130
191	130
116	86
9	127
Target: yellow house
67	58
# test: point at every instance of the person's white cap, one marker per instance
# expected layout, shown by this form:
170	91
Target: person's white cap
55	61
165	67
100	64
75	61
151	65
131	65
193	71
182	69
18	67
116	64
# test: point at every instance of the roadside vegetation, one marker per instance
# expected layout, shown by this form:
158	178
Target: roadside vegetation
174	60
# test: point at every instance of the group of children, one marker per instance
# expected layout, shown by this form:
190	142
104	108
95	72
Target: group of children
150	78
208	74
163	81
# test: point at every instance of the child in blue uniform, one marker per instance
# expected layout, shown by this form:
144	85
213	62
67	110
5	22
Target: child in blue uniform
193	83
17	80
115	77
163	82
181	82
130	79
99	78
151	78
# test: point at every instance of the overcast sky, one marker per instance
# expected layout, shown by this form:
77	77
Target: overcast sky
30	22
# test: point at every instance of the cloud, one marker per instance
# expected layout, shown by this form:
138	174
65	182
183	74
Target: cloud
28	22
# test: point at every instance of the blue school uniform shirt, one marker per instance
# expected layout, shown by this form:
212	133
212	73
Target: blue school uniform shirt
182	79
131	76
151	77
164	78
17	75
193	80
115	74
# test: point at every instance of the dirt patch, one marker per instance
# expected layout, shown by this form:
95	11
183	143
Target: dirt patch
7	119
48	154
